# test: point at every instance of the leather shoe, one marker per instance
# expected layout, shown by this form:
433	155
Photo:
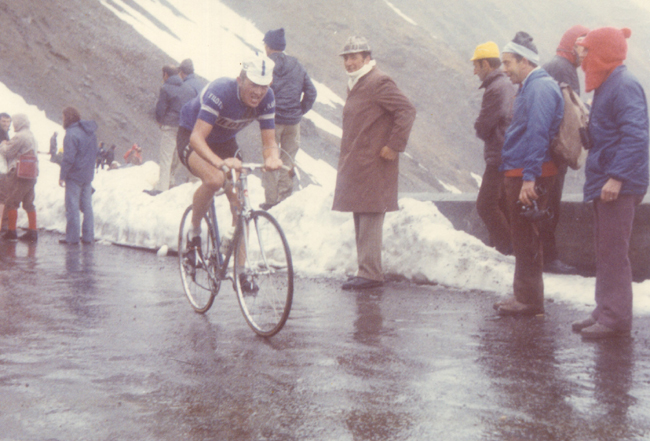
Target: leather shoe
516	308
582	324
361	283
501	303
10	235
30	236
598	331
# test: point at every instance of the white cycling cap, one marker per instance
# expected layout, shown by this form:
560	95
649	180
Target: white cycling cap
259	69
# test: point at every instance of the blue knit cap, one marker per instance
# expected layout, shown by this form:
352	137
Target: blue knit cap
275	39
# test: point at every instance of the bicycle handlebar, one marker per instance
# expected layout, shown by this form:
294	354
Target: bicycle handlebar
258	166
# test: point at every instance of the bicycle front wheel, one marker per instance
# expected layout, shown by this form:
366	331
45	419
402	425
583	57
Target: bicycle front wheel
198	272
263	274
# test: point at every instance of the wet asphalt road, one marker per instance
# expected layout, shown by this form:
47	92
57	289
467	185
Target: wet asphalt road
99	343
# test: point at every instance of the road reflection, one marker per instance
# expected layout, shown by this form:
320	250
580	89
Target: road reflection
549	393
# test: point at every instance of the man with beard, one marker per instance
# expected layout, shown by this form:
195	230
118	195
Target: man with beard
77	173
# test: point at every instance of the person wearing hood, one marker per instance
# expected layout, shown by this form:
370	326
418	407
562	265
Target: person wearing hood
616	174
528	169
563	67
19	190
377	122
77	173
295	95
174	93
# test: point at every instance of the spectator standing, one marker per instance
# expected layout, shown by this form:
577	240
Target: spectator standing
5	124
133	156
19	190
77	173
616	176
53	146
377	122
109	156
100	156
174	93
295	95
490	126
528	168
563	67
186	72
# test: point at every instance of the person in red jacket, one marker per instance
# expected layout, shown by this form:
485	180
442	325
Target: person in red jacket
616	175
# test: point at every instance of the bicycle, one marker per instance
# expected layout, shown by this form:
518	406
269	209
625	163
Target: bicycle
262	273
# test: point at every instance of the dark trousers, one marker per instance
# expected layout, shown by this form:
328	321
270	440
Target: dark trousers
491	207
547	228
528	285
612	232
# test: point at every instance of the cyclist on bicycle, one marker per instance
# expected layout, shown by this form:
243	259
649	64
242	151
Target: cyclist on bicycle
206	142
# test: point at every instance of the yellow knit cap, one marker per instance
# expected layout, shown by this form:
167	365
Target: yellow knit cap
486	50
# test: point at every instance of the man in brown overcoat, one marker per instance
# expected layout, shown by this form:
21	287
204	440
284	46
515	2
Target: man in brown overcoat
377	121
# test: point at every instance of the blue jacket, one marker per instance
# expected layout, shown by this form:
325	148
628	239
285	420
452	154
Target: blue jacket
173	95
294	91
537	115
618	128
195	83
79	153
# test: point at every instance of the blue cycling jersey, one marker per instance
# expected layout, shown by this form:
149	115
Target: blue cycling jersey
219	105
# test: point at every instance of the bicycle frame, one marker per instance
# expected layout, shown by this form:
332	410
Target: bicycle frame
241	189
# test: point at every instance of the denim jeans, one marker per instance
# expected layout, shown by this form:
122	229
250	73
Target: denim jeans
79	198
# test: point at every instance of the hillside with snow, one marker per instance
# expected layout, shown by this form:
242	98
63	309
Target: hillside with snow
420	244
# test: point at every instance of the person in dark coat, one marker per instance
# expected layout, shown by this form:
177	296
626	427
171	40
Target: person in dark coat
528	168
5	124
186	72
174	93
616	176
491	125
77	173
100	156
109	156
377	122
563	67
295	95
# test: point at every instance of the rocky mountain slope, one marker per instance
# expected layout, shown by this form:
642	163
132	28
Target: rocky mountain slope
76	52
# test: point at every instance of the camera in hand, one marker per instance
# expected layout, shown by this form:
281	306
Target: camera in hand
532	213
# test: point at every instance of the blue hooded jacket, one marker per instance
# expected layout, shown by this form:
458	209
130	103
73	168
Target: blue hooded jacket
79	153
537	114
618	128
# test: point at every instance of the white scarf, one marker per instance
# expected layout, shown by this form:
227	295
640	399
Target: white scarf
354	76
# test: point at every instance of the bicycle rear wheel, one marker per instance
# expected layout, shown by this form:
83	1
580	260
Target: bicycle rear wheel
198	274
262	256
